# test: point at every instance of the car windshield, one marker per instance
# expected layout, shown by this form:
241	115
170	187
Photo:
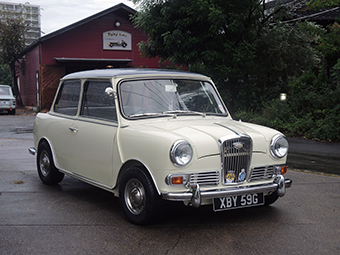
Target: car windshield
5	91
162	97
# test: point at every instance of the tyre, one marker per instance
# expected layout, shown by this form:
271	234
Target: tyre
138	197
47	171
269	199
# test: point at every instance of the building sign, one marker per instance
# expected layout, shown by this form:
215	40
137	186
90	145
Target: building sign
117	40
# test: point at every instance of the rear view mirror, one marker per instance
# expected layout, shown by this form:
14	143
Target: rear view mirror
109	92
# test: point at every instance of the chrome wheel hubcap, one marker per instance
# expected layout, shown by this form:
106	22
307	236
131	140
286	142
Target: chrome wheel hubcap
44	164
134	196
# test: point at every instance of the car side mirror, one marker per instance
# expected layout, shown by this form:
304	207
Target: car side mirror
110	92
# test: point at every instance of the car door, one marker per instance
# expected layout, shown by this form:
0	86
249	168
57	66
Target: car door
91	142
63	114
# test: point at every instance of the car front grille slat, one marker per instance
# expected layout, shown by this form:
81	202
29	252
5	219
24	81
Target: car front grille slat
236	156
205	178
263	172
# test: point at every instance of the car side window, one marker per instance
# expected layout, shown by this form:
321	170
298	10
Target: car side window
96	104
68	98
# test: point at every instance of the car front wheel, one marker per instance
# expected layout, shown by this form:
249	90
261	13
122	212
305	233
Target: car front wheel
138	197
47	171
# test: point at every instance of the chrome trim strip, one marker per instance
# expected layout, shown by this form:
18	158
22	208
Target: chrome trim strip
232	130
111	123
84	118
61	115
84	179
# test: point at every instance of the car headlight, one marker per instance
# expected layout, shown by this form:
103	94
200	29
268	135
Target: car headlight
181	153
279	146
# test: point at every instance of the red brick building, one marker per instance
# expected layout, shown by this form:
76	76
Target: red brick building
105	40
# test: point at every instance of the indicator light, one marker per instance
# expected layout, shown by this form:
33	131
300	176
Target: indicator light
177	180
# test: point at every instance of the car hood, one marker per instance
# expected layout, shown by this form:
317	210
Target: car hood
204	134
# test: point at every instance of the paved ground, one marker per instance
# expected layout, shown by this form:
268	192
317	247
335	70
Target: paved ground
76	218
314	156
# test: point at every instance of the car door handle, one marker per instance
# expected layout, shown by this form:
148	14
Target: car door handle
73	129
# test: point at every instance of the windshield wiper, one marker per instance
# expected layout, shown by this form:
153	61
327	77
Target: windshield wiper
185	112
150	114
173	113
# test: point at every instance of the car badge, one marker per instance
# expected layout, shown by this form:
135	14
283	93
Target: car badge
238	145
242	175
230	176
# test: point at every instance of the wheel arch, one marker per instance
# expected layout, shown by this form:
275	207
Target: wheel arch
47	170
136	163
44	139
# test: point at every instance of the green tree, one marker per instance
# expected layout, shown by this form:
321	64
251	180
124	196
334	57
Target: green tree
234	41
13	26
330	47
317	4
5	75
313	106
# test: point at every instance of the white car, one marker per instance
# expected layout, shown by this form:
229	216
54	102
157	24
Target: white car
7	100
154	135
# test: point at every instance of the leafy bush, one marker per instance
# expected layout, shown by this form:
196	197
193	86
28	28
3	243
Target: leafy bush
312	110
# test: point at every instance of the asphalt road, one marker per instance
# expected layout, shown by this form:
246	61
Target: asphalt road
76	218
314	156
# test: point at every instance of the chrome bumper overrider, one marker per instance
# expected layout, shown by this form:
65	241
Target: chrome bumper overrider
195	195
32	150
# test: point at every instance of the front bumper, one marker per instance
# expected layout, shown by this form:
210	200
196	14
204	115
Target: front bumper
195	195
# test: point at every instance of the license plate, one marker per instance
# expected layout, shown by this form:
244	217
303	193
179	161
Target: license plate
233	202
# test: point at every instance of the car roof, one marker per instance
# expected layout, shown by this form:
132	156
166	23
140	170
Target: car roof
114	72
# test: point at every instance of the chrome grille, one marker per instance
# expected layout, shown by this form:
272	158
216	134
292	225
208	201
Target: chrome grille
263	172
236	156
205	178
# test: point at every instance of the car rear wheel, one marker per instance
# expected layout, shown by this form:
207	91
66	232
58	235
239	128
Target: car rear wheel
138	197
47	171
